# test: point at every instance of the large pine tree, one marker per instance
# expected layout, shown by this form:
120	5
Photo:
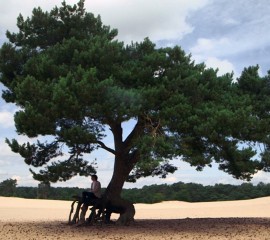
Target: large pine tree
72	80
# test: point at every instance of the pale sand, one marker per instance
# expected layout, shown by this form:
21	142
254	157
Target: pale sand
47	219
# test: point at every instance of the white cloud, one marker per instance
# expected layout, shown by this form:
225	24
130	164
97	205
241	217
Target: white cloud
244	25
207	47
170	180
5	150
6	119
261	177
224	66
78	181
10	10
135	19
25	180
232	43
231	21
18	178
206	50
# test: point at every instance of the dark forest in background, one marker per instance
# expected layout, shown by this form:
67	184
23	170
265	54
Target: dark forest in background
190	192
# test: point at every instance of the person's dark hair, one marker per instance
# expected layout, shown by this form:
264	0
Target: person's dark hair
95	177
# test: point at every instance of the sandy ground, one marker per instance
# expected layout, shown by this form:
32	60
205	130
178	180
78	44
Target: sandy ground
47	219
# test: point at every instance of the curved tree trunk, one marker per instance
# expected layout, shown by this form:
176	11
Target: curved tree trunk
111	201
115	203
123	164
125	208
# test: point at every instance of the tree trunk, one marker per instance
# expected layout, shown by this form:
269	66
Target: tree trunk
113	192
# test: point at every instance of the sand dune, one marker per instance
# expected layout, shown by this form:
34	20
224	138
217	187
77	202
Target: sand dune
47	219
20	209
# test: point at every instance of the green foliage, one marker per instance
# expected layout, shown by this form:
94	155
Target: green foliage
26	192
72	80
8	187
192	192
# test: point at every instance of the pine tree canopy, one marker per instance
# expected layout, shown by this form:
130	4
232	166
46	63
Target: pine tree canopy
72	80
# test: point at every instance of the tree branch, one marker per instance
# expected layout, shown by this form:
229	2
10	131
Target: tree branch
102	145
134	133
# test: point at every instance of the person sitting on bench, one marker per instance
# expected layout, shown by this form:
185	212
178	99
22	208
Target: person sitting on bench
94	192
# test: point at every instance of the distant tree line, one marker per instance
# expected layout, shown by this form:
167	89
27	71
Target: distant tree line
189	192
192	192
9	188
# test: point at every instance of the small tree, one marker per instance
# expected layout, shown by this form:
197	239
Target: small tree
73	81
43	190
8	187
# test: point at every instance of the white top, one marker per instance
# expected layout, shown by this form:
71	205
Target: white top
96	188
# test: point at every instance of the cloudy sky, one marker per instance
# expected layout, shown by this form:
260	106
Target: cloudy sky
225	34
